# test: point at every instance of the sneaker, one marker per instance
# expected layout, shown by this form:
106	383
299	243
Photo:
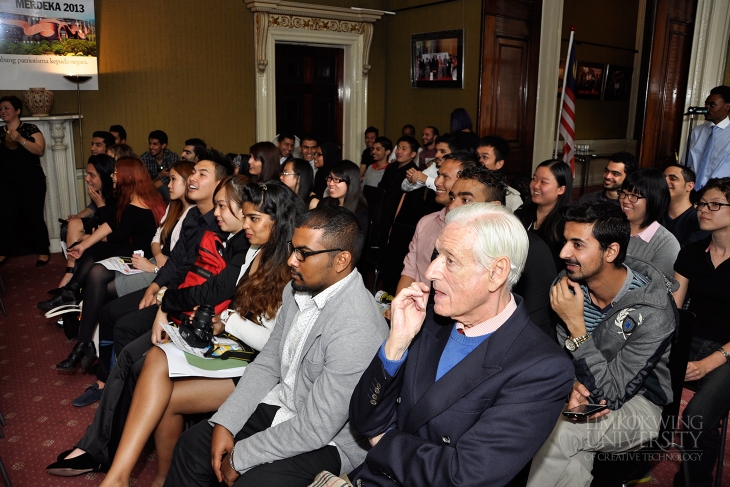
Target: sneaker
91	395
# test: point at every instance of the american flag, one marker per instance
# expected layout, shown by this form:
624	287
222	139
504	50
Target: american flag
567	113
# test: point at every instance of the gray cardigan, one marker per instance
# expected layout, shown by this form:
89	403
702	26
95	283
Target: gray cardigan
340	346
661	251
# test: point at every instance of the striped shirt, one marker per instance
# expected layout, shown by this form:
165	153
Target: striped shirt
593	315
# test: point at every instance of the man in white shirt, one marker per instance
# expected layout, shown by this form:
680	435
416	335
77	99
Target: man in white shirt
308	146
709	146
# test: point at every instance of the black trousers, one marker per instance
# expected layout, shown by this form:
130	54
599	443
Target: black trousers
103	434
191	459
121	320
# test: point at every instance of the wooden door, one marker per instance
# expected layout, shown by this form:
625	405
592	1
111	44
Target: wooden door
508	84
668	35
309	87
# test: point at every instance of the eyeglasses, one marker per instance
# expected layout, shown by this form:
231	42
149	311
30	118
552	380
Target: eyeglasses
336	180
711	205
631	197
302	255
318	154
288	174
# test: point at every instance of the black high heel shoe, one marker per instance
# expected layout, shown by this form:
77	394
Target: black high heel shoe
83	353
69	295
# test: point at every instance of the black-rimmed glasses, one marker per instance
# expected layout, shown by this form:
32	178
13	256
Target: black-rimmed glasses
335	179
633	198
302	255
711	205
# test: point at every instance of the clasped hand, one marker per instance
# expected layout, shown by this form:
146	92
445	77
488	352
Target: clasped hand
408	310
221	445
566	299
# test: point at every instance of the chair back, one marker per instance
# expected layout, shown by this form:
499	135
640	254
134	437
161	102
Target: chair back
375	198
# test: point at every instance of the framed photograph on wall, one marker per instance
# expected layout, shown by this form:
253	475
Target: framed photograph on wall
437	59
589	80
618	83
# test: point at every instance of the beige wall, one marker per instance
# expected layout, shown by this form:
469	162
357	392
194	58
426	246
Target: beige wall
428	106
186	68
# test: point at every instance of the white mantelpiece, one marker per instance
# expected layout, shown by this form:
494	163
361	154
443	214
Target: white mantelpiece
59	164
298	23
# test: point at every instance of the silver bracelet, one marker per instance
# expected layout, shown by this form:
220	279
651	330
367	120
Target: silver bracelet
727	355
230	458
24	142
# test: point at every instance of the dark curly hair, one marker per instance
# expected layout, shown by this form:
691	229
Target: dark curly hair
260	293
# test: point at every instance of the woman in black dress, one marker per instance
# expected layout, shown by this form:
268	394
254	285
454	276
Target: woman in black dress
22	202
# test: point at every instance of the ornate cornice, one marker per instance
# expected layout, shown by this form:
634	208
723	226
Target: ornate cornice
294	15
324	12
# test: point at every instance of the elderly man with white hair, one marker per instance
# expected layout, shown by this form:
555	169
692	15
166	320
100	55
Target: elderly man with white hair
464	392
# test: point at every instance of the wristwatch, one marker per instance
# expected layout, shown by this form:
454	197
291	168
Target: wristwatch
157	269
572	344
160	294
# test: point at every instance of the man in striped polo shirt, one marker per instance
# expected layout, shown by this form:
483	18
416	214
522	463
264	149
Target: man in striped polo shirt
616	319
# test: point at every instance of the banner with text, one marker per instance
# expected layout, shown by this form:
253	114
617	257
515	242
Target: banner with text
43	41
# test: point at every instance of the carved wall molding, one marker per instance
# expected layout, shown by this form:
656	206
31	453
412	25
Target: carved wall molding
280	21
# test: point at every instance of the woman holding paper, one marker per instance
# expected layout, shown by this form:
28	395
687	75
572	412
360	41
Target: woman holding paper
139	210
268	214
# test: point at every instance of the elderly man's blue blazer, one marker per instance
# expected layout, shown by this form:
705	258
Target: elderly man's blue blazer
478	425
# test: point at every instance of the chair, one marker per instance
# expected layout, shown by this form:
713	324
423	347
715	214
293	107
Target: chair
5	293
622	469
723	438
3	471
391	264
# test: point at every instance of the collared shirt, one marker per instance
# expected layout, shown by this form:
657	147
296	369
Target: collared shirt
719	159
153	166
648	233
421	247
310	308
593	315
492	324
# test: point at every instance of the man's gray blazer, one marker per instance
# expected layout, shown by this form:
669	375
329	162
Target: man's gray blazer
341	344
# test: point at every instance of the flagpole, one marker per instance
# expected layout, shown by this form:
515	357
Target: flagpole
562	94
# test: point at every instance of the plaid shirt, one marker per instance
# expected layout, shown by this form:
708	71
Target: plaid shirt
168	159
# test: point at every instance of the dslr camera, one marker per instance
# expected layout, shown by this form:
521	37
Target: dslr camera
198	331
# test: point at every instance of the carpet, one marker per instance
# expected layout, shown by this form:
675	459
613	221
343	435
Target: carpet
35	398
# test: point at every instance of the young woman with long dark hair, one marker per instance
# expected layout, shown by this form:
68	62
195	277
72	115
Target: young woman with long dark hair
345	189
550	189
298	175
263	164
268	214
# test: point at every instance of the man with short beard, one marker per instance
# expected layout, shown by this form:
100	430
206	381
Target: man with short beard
428	152
620	165
616	320
681	216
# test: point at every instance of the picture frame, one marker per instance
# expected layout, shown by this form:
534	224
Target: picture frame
437	59
589	80
617	86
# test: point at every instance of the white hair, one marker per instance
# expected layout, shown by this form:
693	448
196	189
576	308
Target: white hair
498	234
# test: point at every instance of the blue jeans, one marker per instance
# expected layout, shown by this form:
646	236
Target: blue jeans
702	415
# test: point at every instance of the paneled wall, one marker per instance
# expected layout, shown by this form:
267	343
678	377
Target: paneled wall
670	26
510	58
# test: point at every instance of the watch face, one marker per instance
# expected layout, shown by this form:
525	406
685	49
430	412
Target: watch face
570	345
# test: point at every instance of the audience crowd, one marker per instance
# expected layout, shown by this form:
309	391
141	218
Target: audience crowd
529	332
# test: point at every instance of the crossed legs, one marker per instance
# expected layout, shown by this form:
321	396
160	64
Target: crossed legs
158	406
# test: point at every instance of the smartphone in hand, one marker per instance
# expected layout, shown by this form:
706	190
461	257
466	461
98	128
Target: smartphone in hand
584	410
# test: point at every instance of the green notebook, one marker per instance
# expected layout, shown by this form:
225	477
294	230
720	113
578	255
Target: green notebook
213	363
